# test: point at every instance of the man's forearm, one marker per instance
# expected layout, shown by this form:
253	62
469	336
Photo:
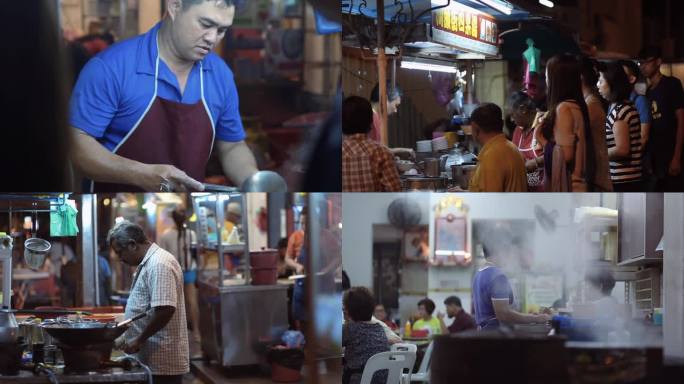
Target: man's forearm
515	317
95	162
237	160
645	129
160	317
680	134
442	325
291	263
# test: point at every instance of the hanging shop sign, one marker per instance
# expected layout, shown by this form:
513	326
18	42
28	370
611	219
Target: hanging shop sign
464	28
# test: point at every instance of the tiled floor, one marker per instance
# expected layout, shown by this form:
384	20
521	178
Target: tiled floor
213	374
204	373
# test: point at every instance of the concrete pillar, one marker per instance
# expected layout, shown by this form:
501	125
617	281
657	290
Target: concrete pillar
673	273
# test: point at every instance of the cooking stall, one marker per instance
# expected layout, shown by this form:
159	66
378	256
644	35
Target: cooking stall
49	344
82	287
443	58
431	246
240	310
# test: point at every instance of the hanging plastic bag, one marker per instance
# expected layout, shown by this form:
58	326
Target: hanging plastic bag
63	220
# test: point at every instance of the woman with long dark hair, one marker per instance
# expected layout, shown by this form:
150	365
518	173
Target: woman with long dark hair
566	132
623	130
597	118
178	241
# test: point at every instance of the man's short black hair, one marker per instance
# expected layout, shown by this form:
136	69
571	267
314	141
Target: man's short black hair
488	117
392	94
453	300
651	52
357	115
617	80
428	304
602	279
632	68
282	243
359	303
521	99
496	240
236	3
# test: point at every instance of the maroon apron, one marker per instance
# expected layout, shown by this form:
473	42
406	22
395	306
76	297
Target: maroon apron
168	132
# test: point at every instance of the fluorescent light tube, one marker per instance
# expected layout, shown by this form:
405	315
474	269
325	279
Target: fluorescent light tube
427	67
501	6
546	3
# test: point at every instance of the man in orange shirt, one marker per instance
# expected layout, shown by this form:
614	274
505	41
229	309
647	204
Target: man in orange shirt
295	244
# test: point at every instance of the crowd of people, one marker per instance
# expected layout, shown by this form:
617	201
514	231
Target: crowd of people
368	330
594	127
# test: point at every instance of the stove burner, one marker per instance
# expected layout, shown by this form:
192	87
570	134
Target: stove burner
86	358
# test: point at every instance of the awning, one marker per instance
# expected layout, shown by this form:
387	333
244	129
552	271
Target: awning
513	29
401	11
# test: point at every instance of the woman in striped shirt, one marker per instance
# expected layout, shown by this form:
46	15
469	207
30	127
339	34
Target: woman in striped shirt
623	130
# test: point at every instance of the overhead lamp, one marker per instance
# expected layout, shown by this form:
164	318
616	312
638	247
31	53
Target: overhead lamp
546	3
428	67
500	5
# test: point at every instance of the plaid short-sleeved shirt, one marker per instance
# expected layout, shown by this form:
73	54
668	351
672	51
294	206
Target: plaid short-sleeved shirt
367	166
159	282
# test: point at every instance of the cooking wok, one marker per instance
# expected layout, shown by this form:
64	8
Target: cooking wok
87	333
82	334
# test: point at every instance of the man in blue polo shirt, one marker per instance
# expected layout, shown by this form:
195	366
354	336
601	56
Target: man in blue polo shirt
147	112
492	292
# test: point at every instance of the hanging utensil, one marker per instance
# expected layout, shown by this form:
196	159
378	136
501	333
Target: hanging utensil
35	251
128	321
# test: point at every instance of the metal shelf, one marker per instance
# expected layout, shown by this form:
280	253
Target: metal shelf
42	202
227	248
641	261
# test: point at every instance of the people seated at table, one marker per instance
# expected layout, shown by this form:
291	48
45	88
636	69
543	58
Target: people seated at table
425	319
381	314
500	166
361	337
454	310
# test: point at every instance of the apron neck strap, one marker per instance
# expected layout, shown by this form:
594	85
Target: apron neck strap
156	72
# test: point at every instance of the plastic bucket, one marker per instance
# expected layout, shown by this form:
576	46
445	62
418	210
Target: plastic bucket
266	258
264	276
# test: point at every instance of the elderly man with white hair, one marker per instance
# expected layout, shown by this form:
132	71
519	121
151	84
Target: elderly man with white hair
160	340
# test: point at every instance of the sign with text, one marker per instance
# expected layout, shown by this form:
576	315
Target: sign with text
465	28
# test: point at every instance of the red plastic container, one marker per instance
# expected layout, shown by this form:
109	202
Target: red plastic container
264	276
266	258
417	333
281	374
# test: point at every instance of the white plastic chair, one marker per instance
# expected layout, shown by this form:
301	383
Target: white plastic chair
395	362
404	347
423	374
408	348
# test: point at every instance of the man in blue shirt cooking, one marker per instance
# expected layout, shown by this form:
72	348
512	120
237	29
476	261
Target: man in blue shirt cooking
147	112
492	293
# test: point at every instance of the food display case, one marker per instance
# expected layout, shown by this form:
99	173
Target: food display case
238	319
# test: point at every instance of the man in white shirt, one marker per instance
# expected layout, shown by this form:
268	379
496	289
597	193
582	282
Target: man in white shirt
159	340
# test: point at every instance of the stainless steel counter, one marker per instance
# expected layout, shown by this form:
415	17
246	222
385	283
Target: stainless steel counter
238	322
113	375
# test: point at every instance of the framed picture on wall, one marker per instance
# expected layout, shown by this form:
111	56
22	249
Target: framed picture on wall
451	246
417	244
